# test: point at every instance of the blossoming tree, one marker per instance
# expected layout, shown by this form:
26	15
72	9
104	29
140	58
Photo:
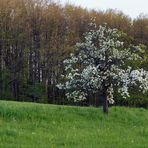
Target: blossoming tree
100	64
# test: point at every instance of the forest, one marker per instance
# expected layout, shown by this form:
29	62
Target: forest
37	35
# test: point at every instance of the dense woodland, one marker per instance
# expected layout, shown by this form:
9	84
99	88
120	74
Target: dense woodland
36	36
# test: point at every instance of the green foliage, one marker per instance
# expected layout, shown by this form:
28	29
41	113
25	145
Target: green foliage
139	100
33	125
136	99
35	93
5	86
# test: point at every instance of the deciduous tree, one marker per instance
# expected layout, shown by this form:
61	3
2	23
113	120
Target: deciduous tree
101	63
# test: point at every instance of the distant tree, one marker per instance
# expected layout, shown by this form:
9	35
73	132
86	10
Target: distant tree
140	29
102	63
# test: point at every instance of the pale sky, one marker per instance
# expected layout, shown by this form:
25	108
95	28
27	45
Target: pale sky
130	7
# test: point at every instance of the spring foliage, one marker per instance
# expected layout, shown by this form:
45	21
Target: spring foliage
101	61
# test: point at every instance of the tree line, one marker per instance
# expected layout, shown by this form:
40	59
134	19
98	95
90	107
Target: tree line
37	35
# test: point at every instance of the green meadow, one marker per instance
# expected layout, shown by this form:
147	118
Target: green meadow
28	125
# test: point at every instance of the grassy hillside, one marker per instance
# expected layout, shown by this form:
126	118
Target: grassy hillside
27	125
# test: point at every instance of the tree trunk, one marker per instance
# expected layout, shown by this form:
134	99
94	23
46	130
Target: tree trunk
104	97
31	78
1	65
49	91
105	104
15	89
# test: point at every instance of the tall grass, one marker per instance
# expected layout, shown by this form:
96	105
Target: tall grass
27	125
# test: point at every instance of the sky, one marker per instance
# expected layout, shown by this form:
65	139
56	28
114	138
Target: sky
130	7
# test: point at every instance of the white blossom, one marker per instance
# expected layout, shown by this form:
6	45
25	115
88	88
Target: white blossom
101	59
